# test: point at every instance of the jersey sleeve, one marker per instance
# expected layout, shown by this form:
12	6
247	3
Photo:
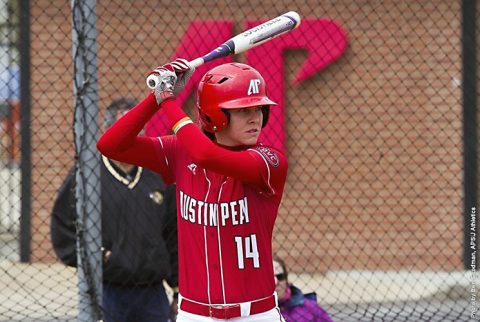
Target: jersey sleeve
275	164
261	166
122	142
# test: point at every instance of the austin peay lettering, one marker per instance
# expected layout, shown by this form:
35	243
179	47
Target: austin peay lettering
213	214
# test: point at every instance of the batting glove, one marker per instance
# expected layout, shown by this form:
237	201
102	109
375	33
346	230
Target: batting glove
184	71
162	80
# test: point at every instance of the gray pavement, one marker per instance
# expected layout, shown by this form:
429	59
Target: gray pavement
48	292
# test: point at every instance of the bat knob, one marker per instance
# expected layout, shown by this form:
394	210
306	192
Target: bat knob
152	81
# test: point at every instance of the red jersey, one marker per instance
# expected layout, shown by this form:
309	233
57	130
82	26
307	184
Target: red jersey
227	203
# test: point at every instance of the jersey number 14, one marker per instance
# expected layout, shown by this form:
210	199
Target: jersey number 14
247	248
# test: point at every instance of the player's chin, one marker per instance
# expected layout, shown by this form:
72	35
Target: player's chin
251	136
250	140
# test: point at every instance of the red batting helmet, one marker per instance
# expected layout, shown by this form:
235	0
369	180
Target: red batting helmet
229	86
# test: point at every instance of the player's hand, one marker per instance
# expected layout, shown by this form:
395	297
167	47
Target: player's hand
106	254
162	80
184	71
174	309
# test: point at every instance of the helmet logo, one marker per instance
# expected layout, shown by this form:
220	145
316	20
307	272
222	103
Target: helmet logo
253	87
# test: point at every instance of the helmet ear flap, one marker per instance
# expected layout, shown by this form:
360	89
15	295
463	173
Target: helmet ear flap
215	121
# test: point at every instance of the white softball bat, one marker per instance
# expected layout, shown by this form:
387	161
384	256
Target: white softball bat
245	41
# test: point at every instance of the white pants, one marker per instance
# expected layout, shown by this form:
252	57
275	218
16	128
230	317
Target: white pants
270	316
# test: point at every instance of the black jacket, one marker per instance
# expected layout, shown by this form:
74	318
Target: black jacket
138	226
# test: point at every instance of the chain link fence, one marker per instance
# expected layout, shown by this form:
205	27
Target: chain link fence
377	114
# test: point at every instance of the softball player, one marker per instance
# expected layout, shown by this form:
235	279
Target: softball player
229	188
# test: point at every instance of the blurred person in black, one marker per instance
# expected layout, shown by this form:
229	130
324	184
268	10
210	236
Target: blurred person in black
139	235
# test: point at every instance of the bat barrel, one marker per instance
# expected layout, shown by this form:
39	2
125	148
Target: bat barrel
244	41
266	31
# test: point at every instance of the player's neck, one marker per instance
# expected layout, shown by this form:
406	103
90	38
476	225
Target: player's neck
236	147
227	142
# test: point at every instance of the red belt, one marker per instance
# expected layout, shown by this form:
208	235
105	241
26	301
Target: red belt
226	311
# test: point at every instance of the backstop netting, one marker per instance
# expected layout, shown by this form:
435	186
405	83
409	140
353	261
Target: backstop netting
376	113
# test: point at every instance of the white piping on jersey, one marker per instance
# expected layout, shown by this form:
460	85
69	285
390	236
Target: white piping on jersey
130	184
220	245
164	155
205	241
206	262
268	170
280	314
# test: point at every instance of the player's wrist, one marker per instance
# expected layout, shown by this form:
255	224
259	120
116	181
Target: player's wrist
175	292
181	123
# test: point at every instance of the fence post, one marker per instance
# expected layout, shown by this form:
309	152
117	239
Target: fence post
88	162
26	158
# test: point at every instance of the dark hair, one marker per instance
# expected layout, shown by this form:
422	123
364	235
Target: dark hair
209	135
121	104
277	259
